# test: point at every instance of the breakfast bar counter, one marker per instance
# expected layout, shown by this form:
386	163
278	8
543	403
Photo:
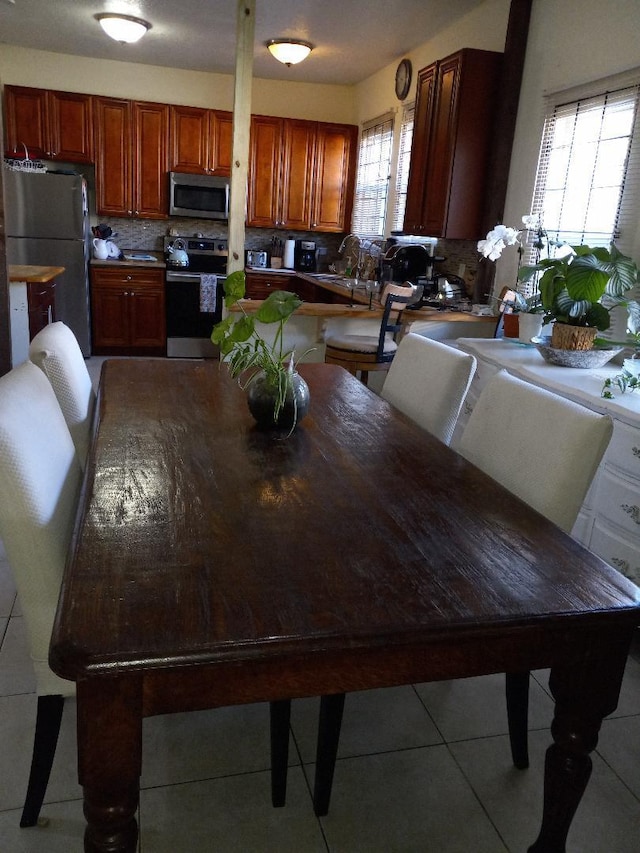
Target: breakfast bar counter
33	274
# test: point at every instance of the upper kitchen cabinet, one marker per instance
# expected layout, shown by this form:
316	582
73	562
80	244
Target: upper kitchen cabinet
301	174
334	179
452	137
200	141
49	124
132	158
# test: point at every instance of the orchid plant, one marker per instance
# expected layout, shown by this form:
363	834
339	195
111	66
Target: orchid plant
502	236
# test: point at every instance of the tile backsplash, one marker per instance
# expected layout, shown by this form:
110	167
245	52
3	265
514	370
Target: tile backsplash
148	234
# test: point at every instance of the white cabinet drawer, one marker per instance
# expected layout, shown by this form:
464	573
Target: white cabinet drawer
618	500
624	450
616	549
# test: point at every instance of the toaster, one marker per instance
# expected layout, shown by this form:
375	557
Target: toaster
254	258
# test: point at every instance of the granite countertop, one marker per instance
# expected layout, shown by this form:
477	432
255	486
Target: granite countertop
138	258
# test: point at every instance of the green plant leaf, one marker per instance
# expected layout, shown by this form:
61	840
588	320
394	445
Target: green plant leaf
551	286
221	329
234	287
585	278
278	306
242	329
598	316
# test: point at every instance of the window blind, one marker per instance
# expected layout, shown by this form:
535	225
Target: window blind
588	181
372	178
587	186
402	173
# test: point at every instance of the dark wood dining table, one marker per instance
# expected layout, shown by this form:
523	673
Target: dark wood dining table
213	564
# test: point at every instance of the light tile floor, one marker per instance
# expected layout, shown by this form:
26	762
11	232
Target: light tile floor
421	769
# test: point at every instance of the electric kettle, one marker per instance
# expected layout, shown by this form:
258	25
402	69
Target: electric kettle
178	254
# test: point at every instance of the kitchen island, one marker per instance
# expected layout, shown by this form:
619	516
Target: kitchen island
31	304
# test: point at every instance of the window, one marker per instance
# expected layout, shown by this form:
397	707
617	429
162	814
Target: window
402	173
372	178
587	179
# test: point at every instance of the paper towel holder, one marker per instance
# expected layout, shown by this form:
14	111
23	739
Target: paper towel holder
288	260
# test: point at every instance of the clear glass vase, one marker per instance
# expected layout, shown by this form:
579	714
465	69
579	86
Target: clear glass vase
261	398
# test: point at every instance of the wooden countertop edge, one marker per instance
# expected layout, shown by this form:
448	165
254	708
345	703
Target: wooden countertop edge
316	309
30	273
321	309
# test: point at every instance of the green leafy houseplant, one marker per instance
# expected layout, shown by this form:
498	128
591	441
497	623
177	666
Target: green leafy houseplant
250	357
581	288
629	377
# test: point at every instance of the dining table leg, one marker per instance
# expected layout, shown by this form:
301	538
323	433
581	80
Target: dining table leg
584	695
110	761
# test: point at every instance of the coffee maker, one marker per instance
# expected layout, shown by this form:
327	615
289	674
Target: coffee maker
305	256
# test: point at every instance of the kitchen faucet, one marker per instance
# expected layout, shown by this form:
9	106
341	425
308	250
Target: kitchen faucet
344	242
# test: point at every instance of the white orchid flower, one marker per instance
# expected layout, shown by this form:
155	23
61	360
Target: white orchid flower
496	240
531	222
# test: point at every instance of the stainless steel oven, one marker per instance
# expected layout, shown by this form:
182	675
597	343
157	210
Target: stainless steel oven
194	296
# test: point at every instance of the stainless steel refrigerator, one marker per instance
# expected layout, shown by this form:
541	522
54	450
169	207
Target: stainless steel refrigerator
47	224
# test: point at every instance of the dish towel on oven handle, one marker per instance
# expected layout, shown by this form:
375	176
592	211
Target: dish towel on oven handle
208	289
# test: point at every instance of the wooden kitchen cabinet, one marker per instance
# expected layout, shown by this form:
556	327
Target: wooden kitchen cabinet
334	177
132	158
41	305
52	125
259	285
264	179
200	141
301	174
128	311
453	128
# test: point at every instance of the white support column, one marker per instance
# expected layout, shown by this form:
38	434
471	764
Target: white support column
241	128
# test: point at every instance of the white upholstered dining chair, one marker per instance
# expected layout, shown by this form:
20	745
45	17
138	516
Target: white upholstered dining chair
543	448
546	450
428	381
57	353
40	480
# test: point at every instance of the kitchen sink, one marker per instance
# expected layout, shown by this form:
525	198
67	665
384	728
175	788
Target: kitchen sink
334	278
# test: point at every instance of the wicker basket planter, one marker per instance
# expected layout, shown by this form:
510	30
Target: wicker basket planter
564	336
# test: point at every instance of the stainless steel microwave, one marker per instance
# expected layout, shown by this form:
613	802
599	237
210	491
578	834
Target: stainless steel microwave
198	196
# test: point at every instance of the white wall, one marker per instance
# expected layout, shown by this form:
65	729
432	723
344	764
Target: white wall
25	67
484	28
567	46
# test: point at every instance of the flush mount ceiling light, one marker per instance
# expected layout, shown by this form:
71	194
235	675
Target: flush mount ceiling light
123	28
289	51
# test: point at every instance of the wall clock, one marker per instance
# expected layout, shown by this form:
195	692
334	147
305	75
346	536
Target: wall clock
403	79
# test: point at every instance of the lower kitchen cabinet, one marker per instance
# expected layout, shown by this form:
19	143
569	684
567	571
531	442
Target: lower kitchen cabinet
260	285
41	305
128	311
609	520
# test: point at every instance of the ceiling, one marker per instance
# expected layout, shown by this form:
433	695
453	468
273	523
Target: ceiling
353	38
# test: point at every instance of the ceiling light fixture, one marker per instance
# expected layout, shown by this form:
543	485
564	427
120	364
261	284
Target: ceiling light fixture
289	51
123	28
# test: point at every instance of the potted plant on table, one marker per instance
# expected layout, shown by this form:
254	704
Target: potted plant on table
277	395
579	289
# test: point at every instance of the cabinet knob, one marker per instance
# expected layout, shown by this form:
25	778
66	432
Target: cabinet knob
128	278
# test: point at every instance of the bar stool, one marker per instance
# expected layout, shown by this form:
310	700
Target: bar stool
364	353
